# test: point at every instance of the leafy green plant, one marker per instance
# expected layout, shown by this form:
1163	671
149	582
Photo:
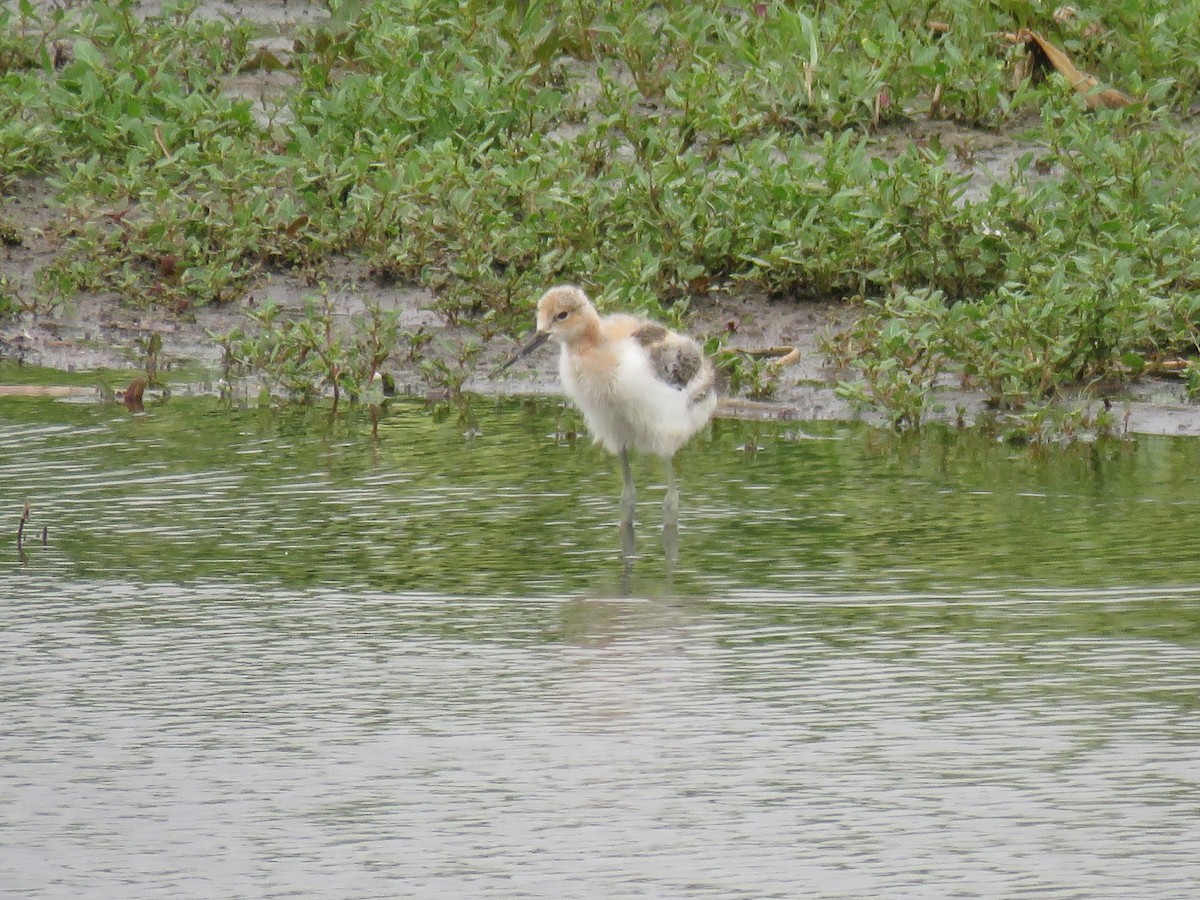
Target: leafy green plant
10	304
753	376
1192	382
447	372
898	351
316	352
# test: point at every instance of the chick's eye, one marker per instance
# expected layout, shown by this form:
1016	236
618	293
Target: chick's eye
562	315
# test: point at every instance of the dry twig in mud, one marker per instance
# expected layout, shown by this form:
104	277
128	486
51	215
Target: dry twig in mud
1175	367
790	358
36	390
777	357
780	356
1045	55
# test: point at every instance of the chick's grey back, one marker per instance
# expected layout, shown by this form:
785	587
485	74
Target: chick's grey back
677	360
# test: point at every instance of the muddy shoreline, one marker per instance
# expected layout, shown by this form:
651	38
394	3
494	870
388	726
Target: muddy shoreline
106	331
97	332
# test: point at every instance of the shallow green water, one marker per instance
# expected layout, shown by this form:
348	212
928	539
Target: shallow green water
193	491
269	655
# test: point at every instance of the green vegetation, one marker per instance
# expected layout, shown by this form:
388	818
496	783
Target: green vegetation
306	355
1098	272
652	153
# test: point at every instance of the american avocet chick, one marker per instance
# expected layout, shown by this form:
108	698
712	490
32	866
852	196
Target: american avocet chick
640	387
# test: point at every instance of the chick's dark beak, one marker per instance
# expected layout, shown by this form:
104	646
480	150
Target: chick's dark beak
538	338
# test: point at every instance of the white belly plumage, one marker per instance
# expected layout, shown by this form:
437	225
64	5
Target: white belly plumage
630	407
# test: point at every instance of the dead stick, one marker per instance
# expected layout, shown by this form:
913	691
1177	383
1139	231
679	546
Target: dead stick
38	390
162	146
768	352
21	526
787	359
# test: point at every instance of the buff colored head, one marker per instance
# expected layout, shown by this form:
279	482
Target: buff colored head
564	313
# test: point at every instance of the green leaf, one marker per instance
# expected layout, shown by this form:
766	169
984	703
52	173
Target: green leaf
87	54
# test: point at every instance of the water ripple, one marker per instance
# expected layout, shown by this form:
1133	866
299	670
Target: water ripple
262	657
582	748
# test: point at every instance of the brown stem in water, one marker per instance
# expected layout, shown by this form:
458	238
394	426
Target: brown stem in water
21	526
